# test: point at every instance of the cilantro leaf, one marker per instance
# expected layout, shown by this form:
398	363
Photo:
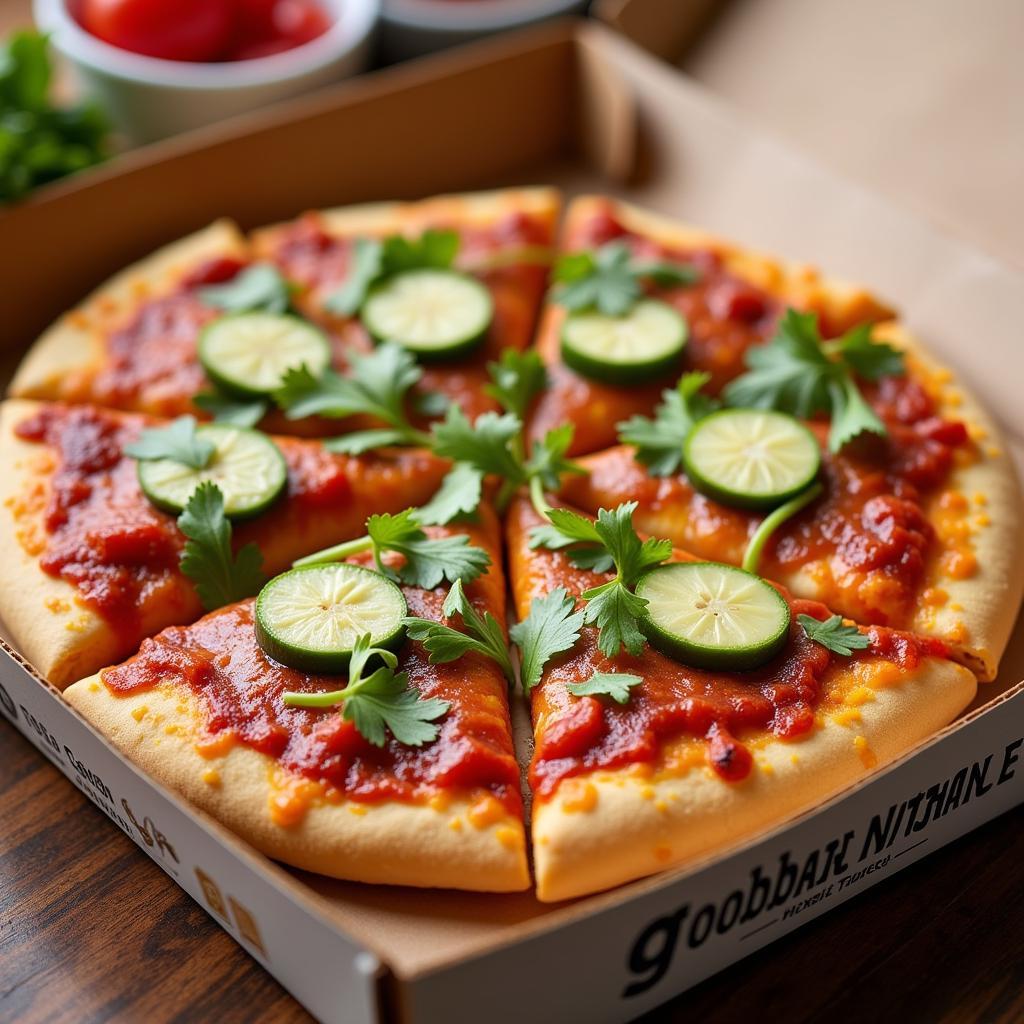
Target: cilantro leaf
548	462
360	441
40	142
374	260
481	634
258	287
610	280
834	634
798	373
427	562
431	403
552	626
632	557
659	442
178	441
377	386
458	495
516	380
235	411
381	701
220	577
616	611
616	685
483	444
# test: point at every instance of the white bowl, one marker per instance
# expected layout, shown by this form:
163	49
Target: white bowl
148	98
410	28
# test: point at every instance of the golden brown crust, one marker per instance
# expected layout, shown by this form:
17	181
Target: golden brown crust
73	347
391	842
606	828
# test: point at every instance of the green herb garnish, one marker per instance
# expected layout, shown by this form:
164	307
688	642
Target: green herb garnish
220	577
260	287
480	633
611	279
616	685
798	373
235	412
178	441
552	626
373	260
381	701
659	441
834	634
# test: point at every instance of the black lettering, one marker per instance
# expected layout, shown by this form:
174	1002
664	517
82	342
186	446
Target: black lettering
841	866
977	784
933	809
955	791
652	952
875	840
1010	758
730	912
759	890
701	927
785	881
912	805
808	875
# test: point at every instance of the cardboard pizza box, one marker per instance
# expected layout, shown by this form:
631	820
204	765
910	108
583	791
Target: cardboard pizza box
576	105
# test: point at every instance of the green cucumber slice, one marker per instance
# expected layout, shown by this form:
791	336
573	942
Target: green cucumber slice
437	314
310	618
751	458
645	343
246	465
713	616
248	354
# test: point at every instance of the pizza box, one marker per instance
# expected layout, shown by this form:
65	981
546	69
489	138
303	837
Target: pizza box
576	105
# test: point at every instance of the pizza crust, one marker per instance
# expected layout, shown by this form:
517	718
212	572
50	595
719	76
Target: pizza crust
638	826
390	843
73	346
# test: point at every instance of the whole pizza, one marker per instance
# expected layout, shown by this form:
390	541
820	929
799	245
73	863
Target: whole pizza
294	518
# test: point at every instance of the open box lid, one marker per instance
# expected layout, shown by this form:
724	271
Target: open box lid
572	104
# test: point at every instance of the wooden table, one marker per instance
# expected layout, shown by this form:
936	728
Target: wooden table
91	930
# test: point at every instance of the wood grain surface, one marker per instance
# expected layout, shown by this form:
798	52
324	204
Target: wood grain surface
91	930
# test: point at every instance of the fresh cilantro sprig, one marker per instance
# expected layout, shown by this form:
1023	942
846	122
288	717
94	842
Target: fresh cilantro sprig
380	702
600	545
428	562
177	441
377	386
373	260
659	441
40	142
798	373
235	412
480	633
553	626
220	576
616	685
258	288
834	634
611	279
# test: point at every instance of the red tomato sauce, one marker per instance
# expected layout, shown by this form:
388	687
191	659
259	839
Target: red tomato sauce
240	689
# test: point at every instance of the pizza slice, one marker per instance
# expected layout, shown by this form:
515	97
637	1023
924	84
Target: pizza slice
669	731
915	526
456	280
412	780
91	540
640	298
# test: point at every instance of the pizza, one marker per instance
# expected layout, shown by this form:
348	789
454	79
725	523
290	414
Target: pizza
759	543
136	343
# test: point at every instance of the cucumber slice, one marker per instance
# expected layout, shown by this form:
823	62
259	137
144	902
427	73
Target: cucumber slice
645	343
751	458
310	618
246	465
713	616
437	314
247	354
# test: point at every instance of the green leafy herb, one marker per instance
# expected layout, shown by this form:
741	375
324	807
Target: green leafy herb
40	142
616	685
516	380
552	626
381	701
178	441
609	541
257	288
220	577
833	634
659	442
377	386
234	411
459	495
800	374
611	279
373	260
480	633
428	562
